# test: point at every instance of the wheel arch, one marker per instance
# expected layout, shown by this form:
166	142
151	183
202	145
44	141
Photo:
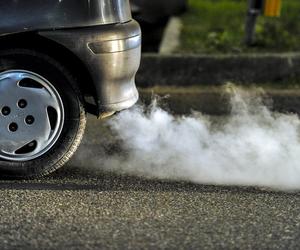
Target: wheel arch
67	58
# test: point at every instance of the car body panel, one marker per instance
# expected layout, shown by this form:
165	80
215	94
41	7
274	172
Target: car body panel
28	15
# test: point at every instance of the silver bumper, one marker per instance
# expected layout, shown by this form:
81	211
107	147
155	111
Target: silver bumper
112	55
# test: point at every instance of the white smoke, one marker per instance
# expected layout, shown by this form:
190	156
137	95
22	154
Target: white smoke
253	146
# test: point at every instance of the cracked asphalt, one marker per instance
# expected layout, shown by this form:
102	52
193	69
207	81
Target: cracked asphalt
85	208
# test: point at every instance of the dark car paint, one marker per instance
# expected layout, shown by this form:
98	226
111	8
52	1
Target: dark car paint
153	16
156	10
24	15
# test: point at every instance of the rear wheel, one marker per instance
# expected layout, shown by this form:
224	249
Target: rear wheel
42	119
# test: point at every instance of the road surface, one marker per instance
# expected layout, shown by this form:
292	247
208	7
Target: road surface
86	208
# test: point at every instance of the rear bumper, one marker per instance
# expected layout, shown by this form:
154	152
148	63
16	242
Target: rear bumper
112	55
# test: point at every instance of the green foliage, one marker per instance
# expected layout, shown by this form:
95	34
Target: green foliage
217	26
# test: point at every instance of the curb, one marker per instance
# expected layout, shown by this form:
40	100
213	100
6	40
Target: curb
187	70
215	101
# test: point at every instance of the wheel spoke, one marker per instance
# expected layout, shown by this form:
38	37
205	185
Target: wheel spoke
11	147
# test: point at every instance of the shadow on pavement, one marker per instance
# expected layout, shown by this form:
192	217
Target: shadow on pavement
77	179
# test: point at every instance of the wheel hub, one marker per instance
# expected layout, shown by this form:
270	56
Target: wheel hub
31	115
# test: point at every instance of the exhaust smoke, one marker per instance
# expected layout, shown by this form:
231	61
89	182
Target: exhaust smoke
253	146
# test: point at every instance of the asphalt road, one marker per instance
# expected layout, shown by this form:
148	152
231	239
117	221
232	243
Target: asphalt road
86	208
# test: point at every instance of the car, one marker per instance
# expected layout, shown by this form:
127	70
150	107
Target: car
61	59
155	11
153	17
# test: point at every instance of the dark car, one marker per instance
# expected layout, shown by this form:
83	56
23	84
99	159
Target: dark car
153	16
155	11
58	60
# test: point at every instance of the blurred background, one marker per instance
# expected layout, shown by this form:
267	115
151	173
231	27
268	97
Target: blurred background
220	26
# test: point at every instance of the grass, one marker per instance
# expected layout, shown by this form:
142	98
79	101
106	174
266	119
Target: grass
217	26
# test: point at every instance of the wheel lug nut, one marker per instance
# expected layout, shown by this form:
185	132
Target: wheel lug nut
13	127
5	111
22	103
29	119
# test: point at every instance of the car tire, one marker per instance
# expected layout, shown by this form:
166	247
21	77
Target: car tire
53	96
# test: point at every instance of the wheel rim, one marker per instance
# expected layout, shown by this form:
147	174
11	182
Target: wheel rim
31	115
